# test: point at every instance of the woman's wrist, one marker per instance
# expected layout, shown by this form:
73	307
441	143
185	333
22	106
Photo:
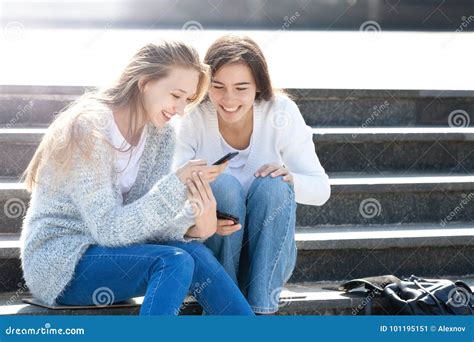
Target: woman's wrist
178	174
192	232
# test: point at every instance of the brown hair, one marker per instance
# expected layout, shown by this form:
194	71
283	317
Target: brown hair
234	48
66	134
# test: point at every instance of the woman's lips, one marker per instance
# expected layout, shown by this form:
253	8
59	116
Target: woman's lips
230	110
167	116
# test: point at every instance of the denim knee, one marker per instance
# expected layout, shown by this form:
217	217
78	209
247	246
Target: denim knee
271	190
227	190
177	262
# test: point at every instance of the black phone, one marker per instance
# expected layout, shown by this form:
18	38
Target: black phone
225	158
225	216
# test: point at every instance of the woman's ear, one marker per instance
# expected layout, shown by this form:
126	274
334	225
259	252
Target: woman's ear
141	84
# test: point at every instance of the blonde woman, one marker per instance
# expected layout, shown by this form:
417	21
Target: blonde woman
107	219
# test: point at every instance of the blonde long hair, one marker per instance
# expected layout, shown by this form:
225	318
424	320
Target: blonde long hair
65	137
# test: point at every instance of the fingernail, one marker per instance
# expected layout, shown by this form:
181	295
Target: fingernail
200	173
194	173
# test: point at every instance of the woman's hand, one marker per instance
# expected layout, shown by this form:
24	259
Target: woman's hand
274	170
210	172
227	227
204	206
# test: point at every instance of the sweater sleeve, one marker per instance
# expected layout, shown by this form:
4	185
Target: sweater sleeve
299	156
160	212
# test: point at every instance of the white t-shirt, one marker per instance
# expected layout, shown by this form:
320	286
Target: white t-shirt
127	163
237	164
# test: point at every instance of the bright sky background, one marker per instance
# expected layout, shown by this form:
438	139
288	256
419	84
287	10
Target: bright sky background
297	59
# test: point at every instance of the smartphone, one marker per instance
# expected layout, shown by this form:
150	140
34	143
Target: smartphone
225	158
225	216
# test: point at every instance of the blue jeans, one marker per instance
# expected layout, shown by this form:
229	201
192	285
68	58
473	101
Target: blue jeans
163	274
261	256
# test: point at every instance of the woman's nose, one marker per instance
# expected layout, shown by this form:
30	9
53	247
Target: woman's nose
227	97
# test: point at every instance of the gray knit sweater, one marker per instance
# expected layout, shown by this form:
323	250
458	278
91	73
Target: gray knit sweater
87	208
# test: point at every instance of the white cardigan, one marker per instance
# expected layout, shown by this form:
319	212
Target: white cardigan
280	135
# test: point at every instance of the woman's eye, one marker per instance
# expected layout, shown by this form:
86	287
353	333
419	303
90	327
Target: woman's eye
241	89
175	96
218	87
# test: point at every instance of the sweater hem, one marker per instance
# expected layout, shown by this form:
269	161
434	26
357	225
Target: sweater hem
50	299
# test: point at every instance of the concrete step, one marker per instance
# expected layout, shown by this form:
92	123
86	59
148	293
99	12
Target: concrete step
32	108
35	106
375	108
342	237
354	200
333	252
337	252
308	298
304	298
395	199
369	150
319	16
404	149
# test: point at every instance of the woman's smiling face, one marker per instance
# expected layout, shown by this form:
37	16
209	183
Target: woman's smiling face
169	96
233	92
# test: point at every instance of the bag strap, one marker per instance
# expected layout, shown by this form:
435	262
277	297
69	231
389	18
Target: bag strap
437	301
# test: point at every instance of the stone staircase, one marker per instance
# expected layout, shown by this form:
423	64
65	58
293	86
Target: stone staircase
401	166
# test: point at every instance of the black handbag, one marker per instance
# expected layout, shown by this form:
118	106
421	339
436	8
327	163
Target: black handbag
419	296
